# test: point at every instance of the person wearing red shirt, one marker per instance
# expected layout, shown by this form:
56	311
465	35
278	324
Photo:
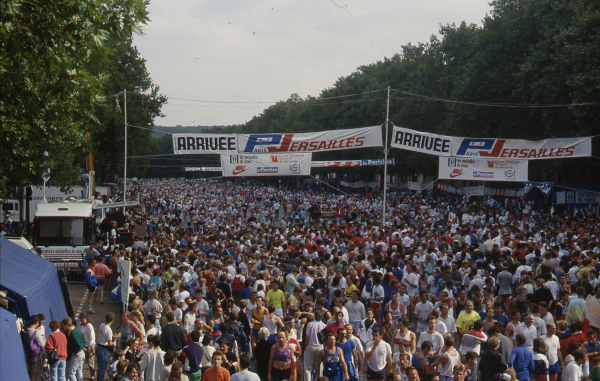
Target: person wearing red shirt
337	323
102	273
57	340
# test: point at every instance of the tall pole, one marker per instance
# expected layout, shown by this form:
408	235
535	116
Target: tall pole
125	167
385	152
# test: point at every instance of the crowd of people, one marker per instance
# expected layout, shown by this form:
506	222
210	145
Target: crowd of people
246	283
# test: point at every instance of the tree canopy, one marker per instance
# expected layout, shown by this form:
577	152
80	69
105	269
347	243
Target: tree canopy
527	57
59	64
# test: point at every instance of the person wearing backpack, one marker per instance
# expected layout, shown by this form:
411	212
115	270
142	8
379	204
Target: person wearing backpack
57	341
34	342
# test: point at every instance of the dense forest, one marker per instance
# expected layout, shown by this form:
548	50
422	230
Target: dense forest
531	71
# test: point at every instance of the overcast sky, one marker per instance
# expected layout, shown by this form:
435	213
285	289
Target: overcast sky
263	51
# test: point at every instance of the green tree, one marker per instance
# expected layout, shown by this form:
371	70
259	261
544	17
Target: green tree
49	91
125	70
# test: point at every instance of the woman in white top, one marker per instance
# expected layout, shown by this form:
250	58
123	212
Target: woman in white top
271	322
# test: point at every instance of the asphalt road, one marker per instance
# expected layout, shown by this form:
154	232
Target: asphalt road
79	295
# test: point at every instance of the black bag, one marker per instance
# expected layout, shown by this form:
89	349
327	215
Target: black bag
322	336
53	356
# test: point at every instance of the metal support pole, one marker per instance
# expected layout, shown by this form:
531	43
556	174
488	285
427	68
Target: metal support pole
385	152
125	167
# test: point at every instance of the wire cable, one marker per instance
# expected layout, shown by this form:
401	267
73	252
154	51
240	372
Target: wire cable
490	104
270	102
148	128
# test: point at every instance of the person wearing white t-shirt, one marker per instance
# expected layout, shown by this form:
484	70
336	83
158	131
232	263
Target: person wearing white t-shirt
553	351
435	338
529	331
378	358
573	371
313	346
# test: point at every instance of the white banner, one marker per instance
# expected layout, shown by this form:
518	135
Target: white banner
457	168
203	169
352	163
522	149
473	191
341	163
288	164
332	140
411	140
577	197
202	144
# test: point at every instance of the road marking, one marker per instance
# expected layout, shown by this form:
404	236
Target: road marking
85	294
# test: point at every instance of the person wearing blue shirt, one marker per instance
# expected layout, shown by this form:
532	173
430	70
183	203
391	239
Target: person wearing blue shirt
397	271
521	359
245	293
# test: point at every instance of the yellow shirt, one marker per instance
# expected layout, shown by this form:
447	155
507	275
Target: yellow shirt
465	320
275	297
349	291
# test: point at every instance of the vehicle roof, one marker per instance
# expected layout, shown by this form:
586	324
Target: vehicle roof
64	209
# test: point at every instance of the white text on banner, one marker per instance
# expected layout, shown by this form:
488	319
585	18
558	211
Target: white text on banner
332	140
459	168
411	140
522	149
285	164
202	144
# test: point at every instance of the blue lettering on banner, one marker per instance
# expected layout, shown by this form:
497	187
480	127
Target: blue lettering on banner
256	141
480	147
377	162
267	170
489	175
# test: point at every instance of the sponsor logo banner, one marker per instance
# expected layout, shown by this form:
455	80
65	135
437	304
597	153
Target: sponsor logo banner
292	164
203	144
577	197
341	163
351	163
309	142
522	149
456	168
376	163
203	169
424	142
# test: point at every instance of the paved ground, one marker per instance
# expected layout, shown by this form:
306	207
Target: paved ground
79	294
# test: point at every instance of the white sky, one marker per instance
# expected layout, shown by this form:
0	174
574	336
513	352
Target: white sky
263	51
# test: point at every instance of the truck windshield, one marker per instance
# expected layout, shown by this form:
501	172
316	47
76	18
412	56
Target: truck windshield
62	231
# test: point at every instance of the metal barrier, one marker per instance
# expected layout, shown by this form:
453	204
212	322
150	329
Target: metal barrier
73	273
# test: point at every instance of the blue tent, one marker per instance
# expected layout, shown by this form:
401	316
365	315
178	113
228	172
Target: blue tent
12	355
31	283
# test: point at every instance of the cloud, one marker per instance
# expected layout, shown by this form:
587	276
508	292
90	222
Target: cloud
248	51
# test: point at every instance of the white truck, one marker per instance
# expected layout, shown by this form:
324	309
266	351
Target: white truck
62	229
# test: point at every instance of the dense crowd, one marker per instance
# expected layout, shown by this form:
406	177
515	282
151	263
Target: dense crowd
303	285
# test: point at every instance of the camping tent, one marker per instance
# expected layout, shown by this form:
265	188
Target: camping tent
12	355
31	283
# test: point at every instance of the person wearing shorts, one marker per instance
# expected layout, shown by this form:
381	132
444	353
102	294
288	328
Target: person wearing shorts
377	296
92	283
257	315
